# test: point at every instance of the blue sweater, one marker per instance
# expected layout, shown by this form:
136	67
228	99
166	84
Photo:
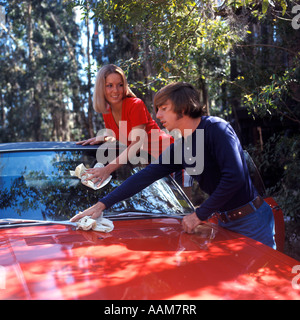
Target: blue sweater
224	177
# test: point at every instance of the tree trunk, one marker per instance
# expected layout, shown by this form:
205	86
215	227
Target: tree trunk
34	94
90	102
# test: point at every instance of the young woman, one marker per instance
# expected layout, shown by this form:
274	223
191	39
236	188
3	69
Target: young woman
122	113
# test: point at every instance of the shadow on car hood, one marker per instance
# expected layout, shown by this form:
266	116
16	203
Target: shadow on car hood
140	259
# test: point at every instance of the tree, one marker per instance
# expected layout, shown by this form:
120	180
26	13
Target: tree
39	72
156	42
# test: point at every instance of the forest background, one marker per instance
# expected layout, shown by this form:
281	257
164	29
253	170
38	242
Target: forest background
243	56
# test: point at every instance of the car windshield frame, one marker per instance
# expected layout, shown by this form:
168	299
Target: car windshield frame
24	182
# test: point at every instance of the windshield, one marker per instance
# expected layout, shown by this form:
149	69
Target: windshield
38	185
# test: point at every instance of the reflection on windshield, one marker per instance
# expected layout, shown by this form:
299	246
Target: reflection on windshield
38	185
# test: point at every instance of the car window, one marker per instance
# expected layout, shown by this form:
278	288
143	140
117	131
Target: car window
38	185
255	175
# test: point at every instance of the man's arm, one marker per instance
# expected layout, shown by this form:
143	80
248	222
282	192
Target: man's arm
138	182
128	188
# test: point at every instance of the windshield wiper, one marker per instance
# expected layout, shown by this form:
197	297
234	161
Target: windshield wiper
13	222
141	214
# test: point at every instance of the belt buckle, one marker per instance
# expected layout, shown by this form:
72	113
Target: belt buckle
220	216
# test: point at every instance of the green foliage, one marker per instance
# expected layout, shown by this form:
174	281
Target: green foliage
288	153
275	97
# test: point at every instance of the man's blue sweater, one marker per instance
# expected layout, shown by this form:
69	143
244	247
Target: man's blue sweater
224	177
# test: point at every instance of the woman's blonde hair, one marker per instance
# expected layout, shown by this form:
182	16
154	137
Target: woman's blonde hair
99	102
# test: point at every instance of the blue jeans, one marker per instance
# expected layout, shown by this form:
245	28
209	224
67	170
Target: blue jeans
258	225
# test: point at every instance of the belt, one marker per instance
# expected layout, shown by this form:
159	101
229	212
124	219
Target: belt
241	211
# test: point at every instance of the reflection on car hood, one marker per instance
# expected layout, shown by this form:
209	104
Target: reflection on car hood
140	259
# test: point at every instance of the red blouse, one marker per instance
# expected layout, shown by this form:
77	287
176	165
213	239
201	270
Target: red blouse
135	113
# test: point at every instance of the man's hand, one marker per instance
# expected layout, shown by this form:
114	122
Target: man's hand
190	222
94	212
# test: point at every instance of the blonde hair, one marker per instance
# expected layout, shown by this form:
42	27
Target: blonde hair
99	102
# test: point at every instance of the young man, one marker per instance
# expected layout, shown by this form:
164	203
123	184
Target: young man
211	153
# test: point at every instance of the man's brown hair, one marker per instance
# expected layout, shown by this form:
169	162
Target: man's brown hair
184	97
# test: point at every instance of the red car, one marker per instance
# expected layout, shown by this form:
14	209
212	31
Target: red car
146	256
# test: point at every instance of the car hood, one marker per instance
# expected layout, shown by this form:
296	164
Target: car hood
140	259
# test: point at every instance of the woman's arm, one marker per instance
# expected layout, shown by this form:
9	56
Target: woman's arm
98	175
96	140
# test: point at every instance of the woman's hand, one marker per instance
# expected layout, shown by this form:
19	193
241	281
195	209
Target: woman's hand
94	140
97	140
98	175
94	212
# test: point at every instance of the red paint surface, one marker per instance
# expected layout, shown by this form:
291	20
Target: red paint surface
141	259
